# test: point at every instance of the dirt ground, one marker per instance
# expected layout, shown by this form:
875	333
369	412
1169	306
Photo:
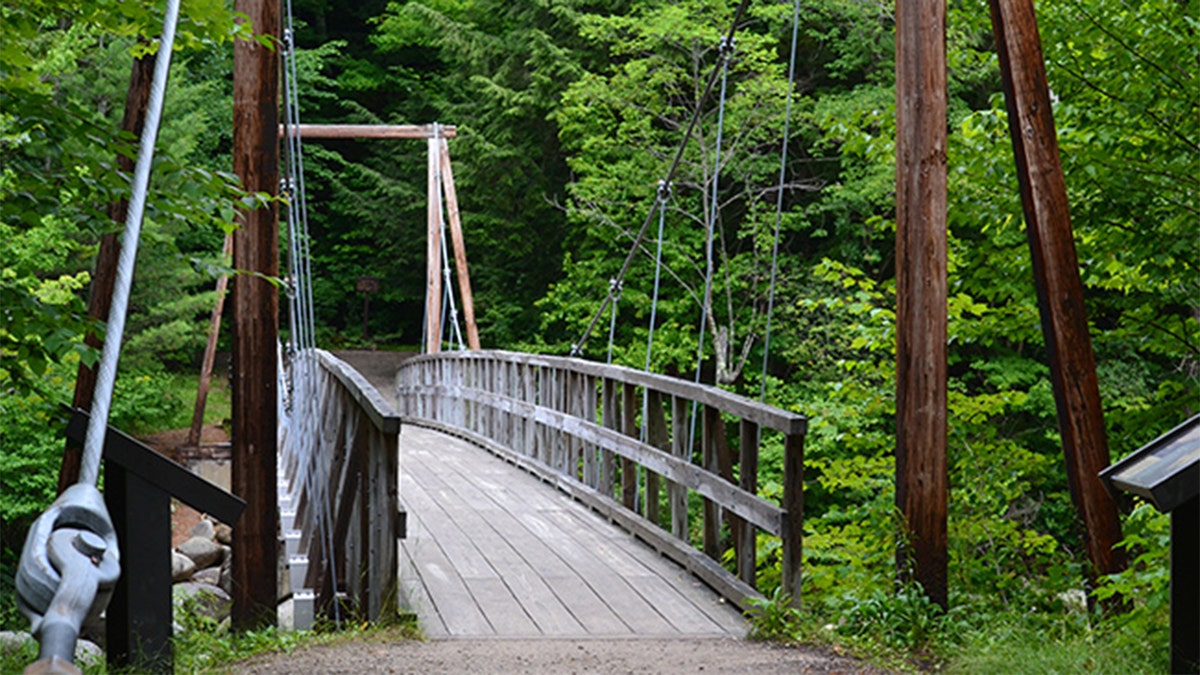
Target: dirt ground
549	656
168	443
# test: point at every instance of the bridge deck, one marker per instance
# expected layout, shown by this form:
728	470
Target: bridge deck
492	551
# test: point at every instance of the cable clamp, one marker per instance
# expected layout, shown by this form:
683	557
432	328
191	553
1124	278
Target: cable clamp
726	46
664	190
287	40
614	288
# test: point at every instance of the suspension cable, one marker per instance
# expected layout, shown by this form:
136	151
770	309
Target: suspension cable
614	292
783	156
726	49
454	330
106	378
577	346
664	193
306	401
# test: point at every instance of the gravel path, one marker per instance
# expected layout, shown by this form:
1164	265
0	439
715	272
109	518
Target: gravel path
557	657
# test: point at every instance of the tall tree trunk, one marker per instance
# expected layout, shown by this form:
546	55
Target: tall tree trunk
922	484
1056	275
256	320
105	274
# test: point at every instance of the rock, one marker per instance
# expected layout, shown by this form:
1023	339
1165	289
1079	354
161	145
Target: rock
1074	600
11	640
203	552
204	529
88	652
226	582
224	534
204	599
209	575
182	567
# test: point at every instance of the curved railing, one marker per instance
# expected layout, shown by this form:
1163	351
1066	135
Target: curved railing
339	494
612	437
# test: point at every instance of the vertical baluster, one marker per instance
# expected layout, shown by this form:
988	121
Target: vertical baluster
793	519
591	473
745	533
610	406
656	435
679	447
629	427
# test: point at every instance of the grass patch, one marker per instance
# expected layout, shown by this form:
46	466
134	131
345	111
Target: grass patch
206	647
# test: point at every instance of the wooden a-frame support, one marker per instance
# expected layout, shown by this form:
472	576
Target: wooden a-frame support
441	181
439	154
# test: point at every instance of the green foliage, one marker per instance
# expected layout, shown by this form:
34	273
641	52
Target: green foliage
773	618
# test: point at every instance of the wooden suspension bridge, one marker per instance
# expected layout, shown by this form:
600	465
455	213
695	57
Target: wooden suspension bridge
486	439
488	548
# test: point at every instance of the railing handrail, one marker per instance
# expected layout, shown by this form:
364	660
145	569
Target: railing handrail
351	474
382	413
766	415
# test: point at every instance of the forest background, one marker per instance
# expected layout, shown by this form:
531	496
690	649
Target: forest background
568	113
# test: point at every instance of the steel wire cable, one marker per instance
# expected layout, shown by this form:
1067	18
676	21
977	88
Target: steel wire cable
106	377
577	347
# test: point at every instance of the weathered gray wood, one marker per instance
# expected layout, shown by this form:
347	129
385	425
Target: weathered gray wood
744	533
612	407
356	463
709	571
680	449
712	436
793	520
740	406
566	414
656	435
752	507
629	476
570	572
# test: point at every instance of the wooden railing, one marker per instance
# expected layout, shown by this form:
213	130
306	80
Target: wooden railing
341	494
587	428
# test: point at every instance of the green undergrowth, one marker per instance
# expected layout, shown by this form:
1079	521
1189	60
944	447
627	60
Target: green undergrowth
203	646
1040	629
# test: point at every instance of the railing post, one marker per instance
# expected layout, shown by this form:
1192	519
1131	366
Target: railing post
629	427
745	534
610	407
656	435
793	523
680	448
710	435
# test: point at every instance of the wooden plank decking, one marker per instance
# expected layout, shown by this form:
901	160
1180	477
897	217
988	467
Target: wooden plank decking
493	551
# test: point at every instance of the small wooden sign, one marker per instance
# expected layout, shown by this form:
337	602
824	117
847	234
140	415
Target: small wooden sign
367	285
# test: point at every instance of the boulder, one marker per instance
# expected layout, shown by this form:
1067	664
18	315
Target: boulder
204	529
203	552
206	600
11	640
226	582
224	534
208	575
182	567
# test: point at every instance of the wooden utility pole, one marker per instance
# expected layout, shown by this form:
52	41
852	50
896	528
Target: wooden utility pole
105	274
921	472
1056	274
210	352
460	249
433	254
256	320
